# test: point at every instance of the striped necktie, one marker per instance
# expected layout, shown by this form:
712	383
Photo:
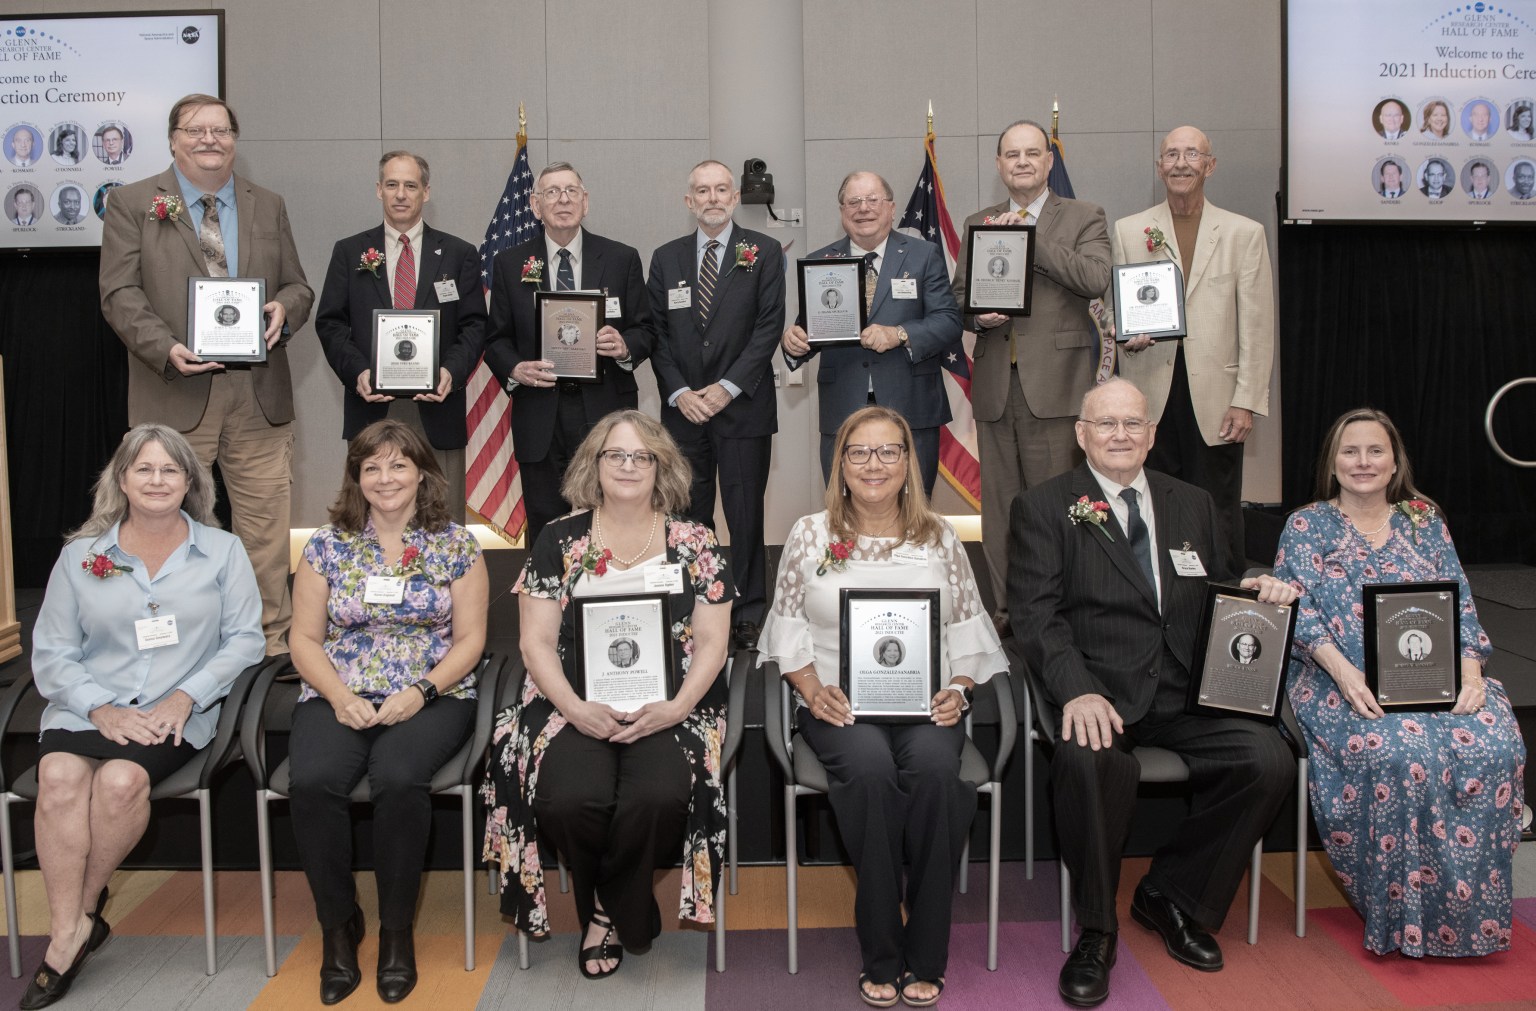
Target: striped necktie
405	276
709	276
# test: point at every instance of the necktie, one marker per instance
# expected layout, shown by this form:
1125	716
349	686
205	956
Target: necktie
211	238
871	279
1136	533
565	277
405	276
709	274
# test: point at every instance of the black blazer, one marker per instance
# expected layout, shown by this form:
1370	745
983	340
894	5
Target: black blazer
512	336
745	325
344	324
1083	614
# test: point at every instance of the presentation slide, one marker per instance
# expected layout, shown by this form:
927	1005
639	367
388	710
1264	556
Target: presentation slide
1410	111
83	103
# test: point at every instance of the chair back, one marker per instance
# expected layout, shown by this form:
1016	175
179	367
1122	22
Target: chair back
226	735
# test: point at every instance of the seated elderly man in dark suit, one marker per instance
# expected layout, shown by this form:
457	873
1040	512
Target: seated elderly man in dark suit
1107	574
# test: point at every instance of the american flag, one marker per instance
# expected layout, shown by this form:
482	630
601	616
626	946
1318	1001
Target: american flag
493	487
928	218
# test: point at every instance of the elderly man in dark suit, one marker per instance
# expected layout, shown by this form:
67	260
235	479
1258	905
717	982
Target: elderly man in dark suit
913	323
717	296
199	219
551	416
1030	371
441	272
1105	604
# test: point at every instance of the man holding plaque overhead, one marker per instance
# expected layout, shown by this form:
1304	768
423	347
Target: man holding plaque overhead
199	219
1107	578
550	414
421	268
1204	389
1030	371
913	322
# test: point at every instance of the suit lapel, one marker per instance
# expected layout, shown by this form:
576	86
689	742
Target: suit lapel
1169	532
376	239
168	186
1205	247
890	266
245	210
429	261
1118	549
1048	212
592	269
1162	220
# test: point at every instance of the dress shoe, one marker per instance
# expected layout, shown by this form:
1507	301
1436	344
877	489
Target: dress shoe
48	984
1185	939
744	634
397	964
1084	980
339	974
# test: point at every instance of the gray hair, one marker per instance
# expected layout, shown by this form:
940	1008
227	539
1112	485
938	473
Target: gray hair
843	186
111	505
421	163
559	166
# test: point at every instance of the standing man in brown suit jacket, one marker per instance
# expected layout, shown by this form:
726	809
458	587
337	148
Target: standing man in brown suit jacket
1031	371
240	417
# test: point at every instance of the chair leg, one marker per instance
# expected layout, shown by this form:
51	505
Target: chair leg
12	929
1255	875
791	864
522	950
264	858
205	828
1301	847
1029	804
466	802
965	864
565	884
994	873
730	828
720	925
1066	908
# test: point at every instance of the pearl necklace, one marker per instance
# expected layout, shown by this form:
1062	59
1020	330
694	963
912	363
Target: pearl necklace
597	528
1366	533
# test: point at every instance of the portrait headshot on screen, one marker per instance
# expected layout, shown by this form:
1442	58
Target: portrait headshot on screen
1390	181
1479	120
67	144
21	206
831	298
1518	121
99	201
1414	646
889	652
1436	179
1246	649
68	205
1390	119
1436	117
22	146
1479	180
226	315
113	144
997	267
623	652
1522	180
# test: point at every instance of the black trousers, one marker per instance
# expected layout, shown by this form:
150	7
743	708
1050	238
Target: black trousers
898	796
925	444
1181	451
1240	772
327	759
742	465
542	500
616	812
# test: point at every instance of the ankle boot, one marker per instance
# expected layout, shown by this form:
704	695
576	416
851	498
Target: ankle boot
397	964
339	974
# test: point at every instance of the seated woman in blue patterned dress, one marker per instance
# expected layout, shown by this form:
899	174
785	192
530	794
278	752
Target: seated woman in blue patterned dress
389	612
619	794
1419	811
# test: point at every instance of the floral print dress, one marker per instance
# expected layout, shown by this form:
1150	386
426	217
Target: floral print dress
1419	811
564	564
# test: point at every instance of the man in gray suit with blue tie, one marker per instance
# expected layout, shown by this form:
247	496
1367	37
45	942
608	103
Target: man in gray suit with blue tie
913	323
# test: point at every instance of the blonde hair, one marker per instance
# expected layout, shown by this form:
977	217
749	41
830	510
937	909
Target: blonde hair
919	523
583	488
110	505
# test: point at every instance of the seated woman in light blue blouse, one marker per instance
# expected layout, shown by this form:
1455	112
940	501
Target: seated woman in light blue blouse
150	615
388	625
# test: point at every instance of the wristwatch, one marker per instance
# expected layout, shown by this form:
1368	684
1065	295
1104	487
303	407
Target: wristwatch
901	336
428	690
966	694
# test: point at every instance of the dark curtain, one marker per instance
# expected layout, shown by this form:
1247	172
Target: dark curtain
1425	324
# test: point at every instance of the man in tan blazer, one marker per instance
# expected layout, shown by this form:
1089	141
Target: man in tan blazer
1031	371
1204	390
240	417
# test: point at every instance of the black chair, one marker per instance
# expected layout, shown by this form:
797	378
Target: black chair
193	781
805	776
458	777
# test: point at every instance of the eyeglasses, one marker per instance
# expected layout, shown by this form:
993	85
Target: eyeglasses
169	472
643	459
1190	155
216	132
554	193
857	203
891	452
1107	427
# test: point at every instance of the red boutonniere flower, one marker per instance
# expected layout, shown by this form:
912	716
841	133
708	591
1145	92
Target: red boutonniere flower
746	256
410	562
1155	240
371	261
1419	514
835	556
595	560
166	208
102	567
533	270
1092	513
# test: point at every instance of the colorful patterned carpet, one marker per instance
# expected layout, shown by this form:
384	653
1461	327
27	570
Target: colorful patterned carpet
155	958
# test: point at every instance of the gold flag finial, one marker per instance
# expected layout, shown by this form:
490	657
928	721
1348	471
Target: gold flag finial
930	115
522	125
1055	115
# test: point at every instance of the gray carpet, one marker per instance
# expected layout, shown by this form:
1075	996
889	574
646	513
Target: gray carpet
666	978
164	973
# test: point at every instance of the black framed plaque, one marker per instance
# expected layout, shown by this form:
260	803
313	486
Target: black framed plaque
225	322
999	269
568	326
832	299
405	356
1241	655
1149	300
890	653
1413	644
623	650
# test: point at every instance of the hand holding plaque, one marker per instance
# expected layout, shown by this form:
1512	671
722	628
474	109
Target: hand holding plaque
405	351
568	326
623	658
225	322
890	653
1149	300
1413	644
1241	655
832	299
999	269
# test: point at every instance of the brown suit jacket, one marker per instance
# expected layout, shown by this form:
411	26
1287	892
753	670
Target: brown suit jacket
145	264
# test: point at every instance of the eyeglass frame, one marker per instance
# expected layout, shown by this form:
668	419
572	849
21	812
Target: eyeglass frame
165	472
1189	155
573	192
856	203
1144	425
617	458
899	449
217	132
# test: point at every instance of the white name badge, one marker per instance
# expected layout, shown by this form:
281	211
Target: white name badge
153	633
664	578
613	311
1186	563
447	291
679	298
903	287
910	554
384	590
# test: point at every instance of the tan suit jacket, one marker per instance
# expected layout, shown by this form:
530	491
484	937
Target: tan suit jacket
1058	346
145	264
1229	303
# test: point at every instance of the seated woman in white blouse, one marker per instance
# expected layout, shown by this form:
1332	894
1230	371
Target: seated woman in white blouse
894	787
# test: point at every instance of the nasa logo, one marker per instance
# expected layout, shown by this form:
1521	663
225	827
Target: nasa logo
190	34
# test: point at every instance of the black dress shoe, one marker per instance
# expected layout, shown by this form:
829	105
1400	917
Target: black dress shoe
1185	939
744	634
48	984
339	974
397	965
1084	980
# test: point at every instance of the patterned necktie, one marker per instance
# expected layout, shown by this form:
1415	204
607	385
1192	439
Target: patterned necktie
405	276
1136	533
871	279
211	238
709	274
565	277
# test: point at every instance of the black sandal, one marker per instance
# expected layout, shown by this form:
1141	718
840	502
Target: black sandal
602	951
871	999
910	979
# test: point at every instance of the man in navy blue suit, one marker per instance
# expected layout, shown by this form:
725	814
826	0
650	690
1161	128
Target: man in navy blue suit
913	323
